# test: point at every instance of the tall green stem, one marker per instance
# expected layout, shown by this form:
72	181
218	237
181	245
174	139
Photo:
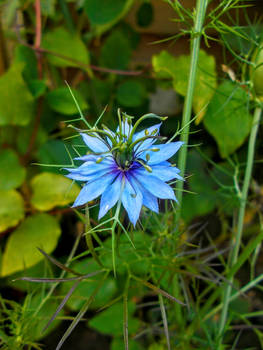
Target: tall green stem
236	240
89	237
196	37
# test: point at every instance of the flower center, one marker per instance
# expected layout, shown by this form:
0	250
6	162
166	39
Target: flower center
123	156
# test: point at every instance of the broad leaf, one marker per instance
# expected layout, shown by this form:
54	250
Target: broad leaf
16	102
11	209
204	198
61	101
12	174
39	230
51	190
131	93
177	68
116	51
110	321
63	43
227	118
105	13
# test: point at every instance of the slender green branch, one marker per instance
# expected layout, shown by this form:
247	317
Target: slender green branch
236	240
116	220
196	37
88	236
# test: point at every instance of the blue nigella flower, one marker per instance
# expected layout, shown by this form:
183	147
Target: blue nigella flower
126	166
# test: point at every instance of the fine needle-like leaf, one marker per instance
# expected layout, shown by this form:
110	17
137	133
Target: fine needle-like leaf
81	313
158	290
60	307
59	264
165	323
52	280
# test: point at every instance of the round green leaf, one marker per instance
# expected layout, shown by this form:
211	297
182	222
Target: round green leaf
227	118
16	102
103	11
61	101
165	65
51	190
12	174
103	322
40	230
116	51
11	209
65	44
131	94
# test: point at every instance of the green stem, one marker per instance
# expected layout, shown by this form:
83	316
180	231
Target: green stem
236	240
196	37
89	237
116	218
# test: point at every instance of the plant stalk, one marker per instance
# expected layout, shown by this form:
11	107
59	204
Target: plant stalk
195	41
236	240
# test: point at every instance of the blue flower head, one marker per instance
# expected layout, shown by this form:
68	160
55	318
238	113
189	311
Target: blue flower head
126	166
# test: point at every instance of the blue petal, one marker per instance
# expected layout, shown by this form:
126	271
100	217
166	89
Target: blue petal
132	201
155	186
163	172
91	167
148	200
88	157
110	196
93	189
82	176
166	151
95	143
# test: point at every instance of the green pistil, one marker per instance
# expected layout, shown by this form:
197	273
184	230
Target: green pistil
123	156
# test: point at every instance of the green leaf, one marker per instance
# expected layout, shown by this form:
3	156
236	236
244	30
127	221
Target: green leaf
51	190
116	51
27	57
204	199
61	101
110	321
131	93
11	209
48	7
62	42
12	174
23	136
87	287
118	344
227	118
16	102
105	13
177	68
53	152
136	260
37	87
39	230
